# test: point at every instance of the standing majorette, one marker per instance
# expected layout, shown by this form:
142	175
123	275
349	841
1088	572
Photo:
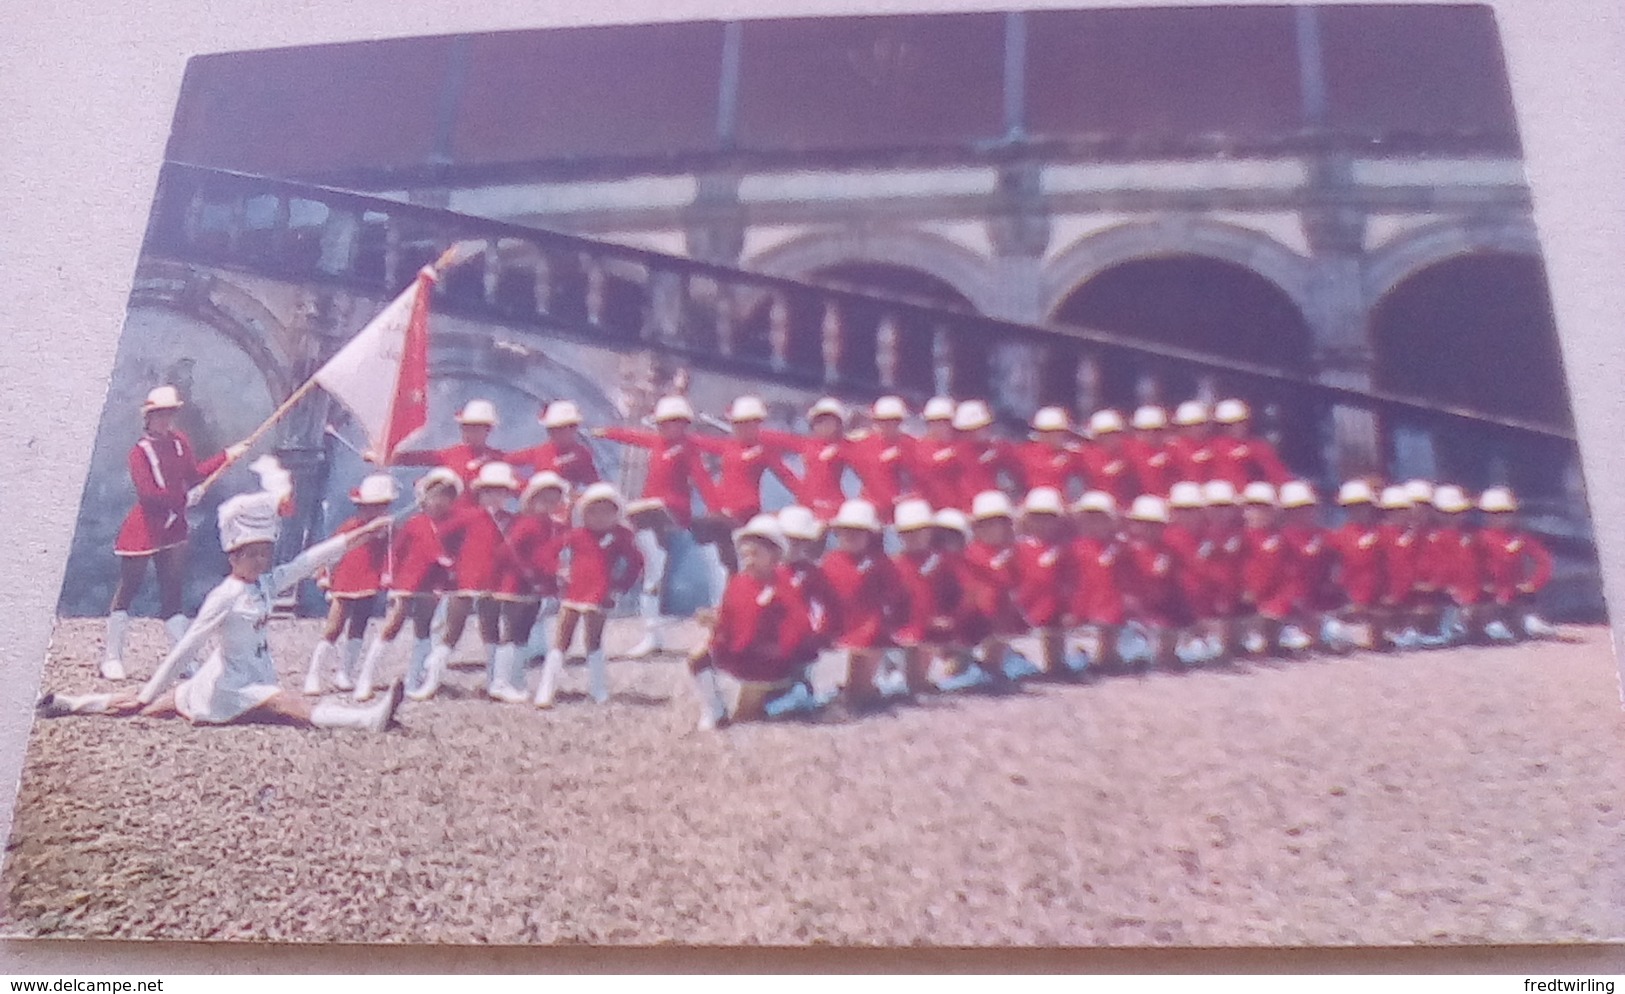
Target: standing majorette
564	452
882	454
823	456
936	469
1106	458
475	422
598	560
419	572
166	476
1191	448
676	473
1097	597
745	457
352	588
238	680
1051	458
1045	575
933	587
1239	456
987	462
1359	545
1154	467
529	588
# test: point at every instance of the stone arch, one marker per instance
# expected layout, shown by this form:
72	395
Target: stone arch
1253	250
1398	260
967	272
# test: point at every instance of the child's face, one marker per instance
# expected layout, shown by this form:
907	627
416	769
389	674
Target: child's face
949	539
672	429
495	498
1197	432
367	512
1044	527
806	550
1299	517
916	540
545	503
939	430
993	531
1361	514
748	432
438	501
161	422
889	429
1095	524
251	561
1189	518
852	541
757	557
599	516
565	435
475	436
1053	439
1259	516
826	427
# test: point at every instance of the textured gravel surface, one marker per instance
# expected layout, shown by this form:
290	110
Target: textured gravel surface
1472	795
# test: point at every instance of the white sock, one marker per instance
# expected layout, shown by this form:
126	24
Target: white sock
418	674
318	662
330	713
352	658
716	571
552	666
499	663
118	625
598	676
712	709
85	703
435	667
369	668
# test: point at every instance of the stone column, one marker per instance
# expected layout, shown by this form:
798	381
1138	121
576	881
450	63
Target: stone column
1019	228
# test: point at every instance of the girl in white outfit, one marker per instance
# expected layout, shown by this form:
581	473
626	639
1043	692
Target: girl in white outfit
239	679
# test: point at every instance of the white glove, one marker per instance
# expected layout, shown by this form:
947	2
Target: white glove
235	451
194	496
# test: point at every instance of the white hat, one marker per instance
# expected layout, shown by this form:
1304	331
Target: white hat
764	527
1219	493
249	518
1044	500
545	480
673	409
1097	501
1258	493
938	409
747	408
1297	493
1497	500
165	398
1451	500
889	409
379	488
593	495
561	414
440	476
1355	492
800	523
1191	412
971	415
1395	499
478	412
827	406
990	504
1186	495
912	515
1102	422
1150	417
496	474
1148	507
859	514
1229	412
1051	419
1420	491
952	519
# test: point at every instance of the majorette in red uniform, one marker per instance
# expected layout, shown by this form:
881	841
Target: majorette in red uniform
480	560
1401	545
936	464
1516	564
1185	537
1052	457
527	579
1151	575
597	559
1191	448
468	456
1106	459
564	452
1358	546
352	587
1224	551
881	454
1097	597
823	457
867	594
1313	562
745	457
1045	575
804	540
760	642
933	593
991	577
986	462
1239	457
165	472
1154	467
1267	571
1451	554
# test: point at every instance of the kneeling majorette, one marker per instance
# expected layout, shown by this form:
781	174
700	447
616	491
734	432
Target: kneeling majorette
238	680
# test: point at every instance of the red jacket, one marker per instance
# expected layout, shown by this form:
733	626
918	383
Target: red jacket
1191	460
163	469
1267	573
823	462
360	573
420	564
763	629
1401	573
1045	576
675	471
1515	563
937	473
595	566
1313	557
480	553
1151	575
1154	467
867	596
822	603
1192	569
1360	565
933	589
738	494
1450	563
531	571
1044	465
1225	557
464	460
1247	460
1110	472
573	461
992	575
981	464
1097	596
881	467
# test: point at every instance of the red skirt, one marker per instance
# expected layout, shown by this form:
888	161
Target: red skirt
142	535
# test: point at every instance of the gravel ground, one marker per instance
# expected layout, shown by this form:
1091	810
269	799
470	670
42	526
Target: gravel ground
1472	795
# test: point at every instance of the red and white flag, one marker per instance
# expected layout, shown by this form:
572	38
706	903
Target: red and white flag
382	374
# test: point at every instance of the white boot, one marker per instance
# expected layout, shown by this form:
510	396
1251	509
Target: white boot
331	713
712	709
175	627
1537	627
118	625
552	666
58	705
654	627
417	674
436	667
349	664
437	623
717	572
318	662
501	686
598	677
369	668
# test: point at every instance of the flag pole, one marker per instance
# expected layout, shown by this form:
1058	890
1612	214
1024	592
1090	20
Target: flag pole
456	253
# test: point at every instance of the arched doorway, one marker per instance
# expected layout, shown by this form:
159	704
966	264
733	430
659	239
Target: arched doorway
1200	304
1476	331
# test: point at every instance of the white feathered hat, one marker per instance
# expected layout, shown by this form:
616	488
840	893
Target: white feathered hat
257	516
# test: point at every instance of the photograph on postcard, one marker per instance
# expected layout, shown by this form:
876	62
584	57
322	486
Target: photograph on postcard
1062	477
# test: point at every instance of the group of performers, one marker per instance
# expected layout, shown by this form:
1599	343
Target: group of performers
958	559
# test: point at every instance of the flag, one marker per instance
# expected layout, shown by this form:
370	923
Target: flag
382	374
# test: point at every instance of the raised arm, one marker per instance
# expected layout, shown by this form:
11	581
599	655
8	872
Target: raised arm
324	553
